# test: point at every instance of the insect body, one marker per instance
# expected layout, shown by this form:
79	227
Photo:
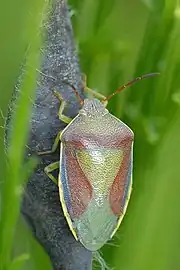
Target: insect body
95	171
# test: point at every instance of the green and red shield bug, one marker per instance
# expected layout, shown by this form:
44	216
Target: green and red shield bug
95	169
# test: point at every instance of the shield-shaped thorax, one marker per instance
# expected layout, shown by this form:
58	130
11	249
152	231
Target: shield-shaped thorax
95	175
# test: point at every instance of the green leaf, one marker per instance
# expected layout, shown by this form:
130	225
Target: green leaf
19	262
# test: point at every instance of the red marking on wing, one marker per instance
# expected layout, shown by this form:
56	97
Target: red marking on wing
119	184
79	186
91	141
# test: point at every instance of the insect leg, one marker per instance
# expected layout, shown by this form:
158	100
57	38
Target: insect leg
50	168
54	147
62	117
97	94
94	93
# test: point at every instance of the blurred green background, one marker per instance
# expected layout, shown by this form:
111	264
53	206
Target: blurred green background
118	40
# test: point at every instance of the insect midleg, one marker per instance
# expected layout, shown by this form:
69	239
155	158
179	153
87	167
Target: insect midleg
94	93
54	147
50	168
62	117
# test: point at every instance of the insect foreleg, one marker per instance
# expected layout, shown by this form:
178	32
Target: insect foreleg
62	117
50	168
94	93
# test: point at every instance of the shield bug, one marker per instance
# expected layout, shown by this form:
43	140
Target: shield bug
95	169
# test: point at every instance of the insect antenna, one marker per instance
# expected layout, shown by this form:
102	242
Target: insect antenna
81	101
131	83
